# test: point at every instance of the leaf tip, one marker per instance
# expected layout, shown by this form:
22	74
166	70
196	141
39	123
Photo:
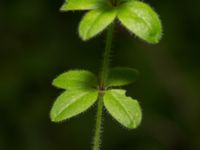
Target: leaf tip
63	8
157	38
84	38
82	35
54	82
52	117
53	120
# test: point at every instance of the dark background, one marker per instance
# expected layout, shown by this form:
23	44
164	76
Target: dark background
37	43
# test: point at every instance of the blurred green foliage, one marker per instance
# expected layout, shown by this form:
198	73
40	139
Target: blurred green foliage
38	43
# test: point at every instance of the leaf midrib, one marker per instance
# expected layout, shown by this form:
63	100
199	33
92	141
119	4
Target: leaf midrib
73	101
78	81
102	13
94	22
129	116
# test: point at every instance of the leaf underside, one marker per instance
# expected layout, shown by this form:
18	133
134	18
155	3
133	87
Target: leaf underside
142	20
120	76
124	109
72	103
80	5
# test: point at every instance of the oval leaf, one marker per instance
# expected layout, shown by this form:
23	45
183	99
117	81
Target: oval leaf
75	80
142	20
95	22
80	5
72	103
121	76
124	109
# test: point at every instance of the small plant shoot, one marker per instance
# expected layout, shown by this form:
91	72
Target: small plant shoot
81	88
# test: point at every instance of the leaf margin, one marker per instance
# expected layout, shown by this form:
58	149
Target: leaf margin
66	77
129	8
116	72
56	114
85	30
135	122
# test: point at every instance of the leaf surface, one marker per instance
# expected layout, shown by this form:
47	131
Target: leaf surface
120	76
75	80
142	20
80	5
124	109
72	103
95	22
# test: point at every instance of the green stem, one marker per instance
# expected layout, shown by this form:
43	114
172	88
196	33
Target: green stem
97	137
106	57
103	78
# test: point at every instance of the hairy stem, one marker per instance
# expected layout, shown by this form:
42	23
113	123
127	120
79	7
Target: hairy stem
97	137
103	78
106	57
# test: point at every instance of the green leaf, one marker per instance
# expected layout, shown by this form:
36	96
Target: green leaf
124	109
142	20
72	103
80	5
95	22
121	76
75	80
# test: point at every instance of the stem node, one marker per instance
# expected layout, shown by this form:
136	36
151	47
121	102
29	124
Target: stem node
103	78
